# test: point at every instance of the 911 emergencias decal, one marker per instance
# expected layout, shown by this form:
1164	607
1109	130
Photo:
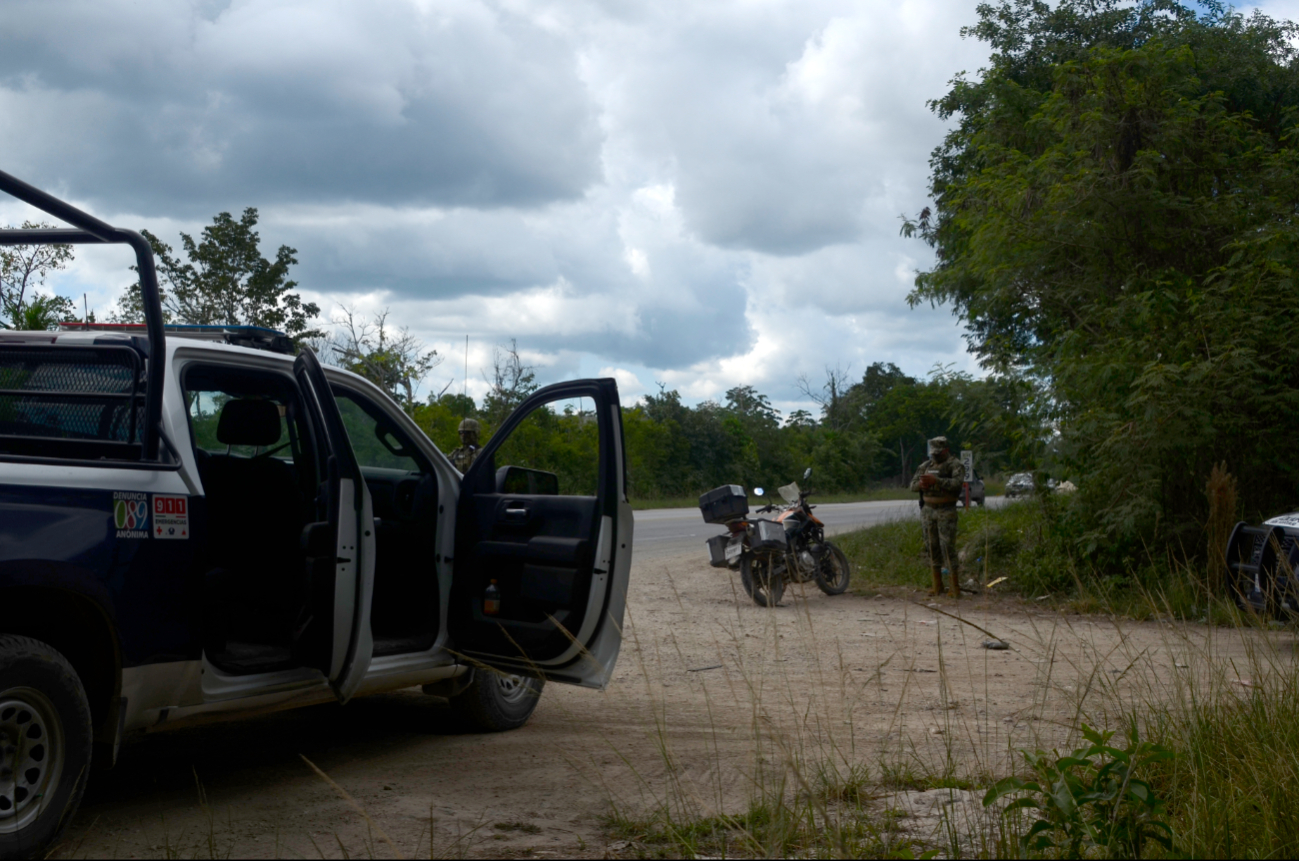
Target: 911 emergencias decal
131	514
170	516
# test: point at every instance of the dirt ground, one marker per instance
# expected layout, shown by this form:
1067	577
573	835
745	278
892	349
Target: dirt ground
713	698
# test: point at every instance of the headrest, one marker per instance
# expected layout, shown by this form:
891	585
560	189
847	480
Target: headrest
248	422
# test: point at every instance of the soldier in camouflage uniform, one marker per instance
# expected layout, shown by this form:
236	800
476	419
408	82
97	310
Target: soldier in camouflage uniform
464	456
939	480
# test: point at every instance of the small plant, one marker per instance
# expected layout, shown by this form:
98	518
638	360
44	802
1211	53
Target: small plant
1089	799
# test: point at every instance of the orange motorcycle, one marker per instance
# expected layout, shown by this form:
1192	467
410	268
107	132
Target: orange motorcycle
770	554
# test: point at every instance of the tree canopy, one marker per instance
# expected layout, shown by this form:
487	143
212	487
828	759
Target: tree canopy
675	450
1115	217
23	270
226	281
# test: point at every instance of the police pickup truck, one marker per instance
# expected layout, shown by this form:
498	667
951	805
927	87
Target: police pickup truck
198	523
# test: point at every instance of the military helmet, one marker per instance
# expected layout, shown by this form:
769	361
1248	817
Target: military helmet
468	425
936	445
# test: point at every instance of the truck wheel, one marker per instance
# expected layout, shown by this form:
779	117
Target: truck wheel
45	744
495	702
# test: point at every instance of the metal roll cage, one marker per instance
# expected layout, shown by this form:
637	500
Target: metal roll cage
89	230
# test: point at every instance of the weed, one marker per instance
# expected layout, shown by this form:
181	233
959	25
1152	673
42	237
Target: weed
1090	799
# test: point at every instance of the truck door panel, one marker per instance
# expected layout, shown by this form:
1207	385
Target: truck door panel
548	538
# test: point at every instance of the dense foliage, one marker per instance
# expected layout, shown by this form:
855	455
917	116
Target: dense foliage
869	433
1115	213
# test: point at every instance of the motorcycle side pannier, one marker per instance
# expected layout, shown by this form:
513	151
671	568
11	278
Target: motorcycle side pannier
768	535
724	504
717	550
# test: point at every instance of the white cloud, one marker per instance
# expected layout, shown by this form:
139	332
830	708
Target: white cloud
703	195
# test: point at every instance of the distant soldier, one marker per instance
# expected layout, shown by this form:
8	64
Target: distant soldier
464	456
939	481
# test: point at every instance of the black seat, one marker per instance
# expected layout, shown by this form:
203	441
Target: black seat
256	513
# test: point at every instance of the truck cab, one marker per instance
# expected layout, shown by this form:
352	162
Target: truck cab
200	523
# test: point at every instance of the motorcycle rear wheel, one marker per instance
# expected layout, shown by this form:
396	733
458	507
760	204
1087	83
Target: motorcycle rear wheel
766	589
833	573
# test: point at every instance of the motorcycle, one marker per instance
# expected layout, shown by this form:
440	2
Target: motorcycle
770	554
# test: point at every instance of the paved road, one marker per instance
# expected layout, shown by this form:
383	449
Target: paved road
674	531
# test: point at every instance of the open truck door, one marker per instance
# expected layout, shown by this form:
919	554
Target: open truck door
341	549
540	569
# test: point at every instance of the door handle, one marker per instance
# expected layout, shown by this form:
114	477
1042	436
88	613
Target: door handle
516	513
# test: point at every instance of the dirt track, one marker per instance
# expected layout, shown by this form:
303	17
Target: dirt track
721	690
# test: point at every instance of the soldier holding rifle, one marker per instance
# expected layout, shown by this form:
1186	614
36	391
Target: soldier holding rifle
939	481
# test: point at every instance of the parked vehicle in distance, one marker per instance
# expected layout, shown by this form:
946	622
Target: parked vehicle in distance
197	523
769	554
977	493
1019	484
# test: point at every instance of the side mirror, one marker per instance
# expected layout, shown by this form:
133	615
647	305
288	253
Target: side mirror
807	474
757	491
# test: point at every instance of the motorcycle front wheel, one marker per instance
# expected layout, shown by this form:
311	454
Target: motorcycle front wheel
833	574
759	582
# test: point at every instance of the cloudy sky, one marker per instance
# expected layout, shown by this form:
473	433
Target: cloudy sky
701	195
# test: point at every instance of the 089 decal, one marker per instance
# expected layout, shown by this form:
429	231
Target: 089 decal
131	514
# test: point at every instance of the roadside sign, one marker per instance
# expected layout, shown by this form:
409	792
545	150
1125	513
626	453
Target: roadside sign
967	458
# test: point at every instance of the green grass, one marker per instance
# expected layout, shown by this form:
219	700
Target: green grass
779	826
1234	727
893	553
1013	542
1232	786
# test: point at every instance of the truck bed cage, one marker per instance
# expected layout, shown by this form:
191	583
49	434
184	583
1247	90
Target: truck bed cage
88	230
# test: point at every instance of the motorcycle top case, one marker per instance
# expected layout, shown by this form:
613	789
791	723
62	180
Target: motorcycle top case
724	504
717	550
769	535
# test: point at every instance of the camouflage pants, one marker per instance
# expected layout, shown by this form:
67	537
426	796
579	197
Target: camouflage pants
940	537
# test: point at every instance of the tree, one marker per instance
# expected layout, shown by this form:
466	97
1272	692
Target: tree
1115	217
396	361
511	383
906	417
227	282
23	270
830	398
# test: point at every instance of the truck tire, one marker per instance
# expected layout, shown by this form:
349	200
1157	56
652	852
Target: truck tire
495	702
45	745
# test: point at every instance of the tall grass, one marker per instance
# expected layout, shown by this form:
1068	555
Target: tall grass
1233	721
1224	697
1019	542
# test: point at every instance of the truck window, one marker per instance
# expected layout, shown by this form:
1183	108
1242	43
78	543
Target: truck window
76	402
376	442
205	409
561	437
211	391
